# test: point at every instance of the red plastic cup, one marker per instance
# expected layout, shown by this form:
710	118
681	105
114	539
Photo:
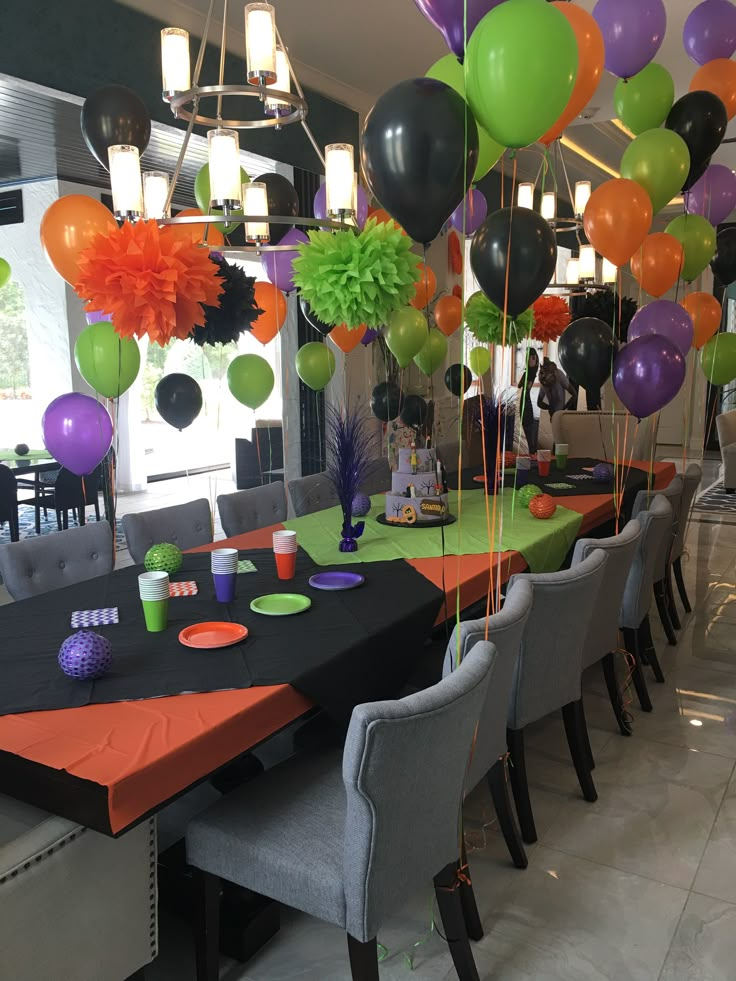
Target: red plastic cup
543	467
285	564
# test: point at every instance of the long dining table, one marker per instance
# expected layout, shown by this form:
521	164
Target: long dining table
108	766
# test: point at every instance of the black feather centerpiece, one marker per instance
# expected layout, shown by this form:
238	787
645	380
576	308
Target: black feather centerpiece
237	310
496	424
349	446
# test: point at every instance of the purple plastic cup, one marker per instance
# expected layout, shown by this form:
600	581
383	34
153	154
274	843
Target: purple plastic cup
225	586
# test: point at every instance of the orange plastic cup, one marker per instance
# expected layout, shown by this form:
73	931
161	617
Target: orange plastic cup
285	564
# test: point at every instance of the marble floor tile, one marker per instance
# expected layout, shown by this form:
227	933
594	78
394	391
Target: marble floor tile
704	948
716	875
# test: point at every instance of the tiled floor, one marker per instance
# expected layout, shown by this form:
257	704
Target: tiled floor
640	886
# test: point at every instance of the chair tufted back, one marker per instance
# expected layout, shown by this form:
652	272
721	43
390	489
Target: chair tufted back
690	481
8	493
184	525
673	492
602	435
656	531
311	494
726	426
40	564
257	507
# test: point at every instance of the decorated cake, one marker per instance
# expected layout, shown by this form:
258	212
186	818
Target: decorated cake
418	492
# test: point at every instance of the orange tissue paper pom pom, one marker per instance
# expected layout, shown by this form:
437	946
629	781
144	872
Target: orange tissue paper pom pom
150	280
551	317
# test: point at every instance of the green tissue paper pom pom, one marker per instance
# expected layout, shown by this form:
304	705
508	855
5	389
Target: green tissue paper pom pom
163	558
485	322
525	494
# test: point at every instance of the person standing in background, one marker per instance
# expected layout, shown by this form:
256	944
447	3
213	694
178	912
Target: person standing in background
555	388
526	382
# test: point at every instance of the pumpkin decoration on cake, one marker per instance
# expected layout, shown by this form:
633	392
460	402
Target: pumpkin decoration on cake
542	506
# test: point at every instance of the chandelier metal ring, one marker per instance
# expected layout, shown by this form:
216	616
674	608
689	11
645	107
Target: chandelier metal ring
258	249
199	92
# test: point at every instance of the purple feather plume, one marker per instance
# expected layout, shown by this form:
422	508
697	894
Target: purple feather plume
349	446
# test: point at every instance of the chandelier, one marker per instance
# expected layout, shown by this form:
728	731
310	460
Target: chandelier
271	79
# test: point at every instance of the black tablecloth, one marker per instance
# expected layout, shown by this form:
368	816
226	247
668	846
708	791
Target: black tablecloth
352	646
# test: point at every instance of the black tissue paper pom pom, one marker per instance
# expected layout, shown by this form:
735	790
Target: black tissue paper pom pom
237	310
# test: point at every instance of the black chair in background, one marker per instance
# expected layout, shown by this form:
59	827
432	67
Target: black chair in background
68	493
9	502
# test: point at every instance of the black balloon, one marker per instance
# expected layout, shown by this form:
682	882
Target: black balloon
723	262
114	115
586	350
458	379
178	400
313	320
282	200
414	411
700	118
386	401
525	268
415	156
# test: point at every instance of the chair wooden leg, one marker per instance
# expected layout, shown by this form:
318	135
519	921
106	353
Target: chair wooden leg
587	747
660	596
631	641
617	703
670	596
520	785
646	642
677	567
473	922
576	739
206	924
453	922
498	782
363	959
37	522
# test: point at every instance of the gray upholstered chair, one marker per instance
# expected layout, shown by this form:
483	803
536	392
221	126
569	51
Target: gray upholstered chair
691	481
603	639
726	426
76	904
548	672
656	533
46	562
378	478
350	837
311	494
250	509
185	525
662	572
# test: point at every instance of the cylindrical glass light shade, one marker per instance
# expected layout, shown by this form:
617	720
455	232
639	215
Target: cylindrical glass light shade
255	202
587	262
548	209
276	107
224	161
572	275
340	180
125	181
525	195
583	190
260	43
175	67
155	192
609	272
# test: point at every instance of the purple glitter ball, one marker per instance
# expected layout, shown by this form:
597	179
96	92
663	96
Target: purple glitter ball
361	505
603	473
85	655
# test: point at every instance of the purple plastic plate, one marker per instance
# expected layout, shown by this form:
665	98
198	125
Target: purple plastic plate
336	580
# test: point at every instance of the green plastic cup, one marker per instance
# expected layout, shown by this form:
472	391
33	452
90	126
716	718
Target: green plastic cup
156	613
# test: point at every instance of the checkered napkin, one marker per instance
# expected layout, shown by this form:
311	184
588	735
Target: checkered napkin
580	476
188	588
245	565
561	486
95	618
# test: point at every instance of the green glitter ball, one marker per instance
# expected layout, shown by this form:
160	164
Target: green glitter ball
163	558
526	493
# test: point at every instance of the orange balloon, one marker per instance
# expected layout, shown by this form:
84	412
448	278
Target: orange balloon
448	314
617	218
719	77
382	217
591	56
68	226
273	303
705	311
657	264
197	231
346	338
426	287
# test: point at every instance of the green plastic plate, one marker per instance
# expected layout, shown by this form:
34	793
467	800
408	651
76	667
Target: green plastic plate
280	604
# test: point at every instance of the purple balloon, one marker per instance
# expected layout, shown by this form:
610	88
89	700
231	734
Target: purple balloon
647	374
98	316
448	16
710	31
369	337
633	31
474	209
667	319
714	195
320	205
277	265
77	431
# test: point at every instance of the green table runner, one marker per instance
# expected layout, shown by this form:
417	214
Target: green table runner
544	544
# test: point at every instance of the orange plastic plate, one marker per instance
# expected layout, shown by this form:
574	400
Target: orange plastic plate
213	634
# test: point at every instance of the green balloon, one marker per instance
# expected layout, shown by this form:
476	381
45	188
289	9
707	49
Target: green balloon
250	379
202	196
450	71
644	100
4	272
433	354
108	362
406	334
659	161
698	239
315	365
718	359
479	360
520	68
